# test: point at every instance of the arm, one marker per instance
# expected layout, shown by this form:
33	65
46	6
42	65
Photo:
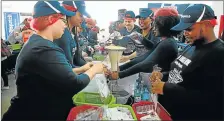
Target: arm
135	61
160	55
150	41
53	65
78	70
133	55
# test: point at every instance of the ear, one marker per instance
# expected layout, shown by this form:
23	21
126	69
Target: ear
208	24
50	19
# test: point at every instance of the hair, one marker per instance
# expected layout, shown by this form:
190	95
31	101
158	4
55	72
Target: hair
165	23
42	22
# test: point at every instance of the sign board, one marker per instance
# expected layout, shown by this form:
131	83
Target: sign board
11	20
121	13
154	6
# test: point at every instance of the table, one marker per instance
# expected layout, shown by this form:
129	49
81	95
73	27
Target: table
126	82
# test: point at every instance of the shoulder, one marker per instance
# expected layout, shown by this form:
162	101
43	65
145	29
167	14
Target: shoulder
38	45
137	28
65	37
169	42
219	48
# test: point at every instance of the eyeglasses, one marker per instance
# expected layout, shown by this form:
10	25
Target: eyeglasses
64	20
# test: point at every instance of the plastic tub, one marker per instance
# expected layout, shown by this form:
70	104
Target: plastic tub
89	98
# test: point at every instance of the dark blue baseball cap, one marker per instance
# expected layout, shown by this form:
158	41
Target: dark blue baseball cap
44	8
129	15
79	5
193	14
144	13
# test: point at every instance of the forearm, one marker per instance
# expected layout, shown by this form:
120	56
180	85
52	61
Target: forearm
134	61
91	73
140	67
78	70
133	55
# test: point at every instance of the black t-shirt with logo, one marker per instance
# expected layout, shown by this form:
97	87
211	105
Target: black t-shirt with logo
194	88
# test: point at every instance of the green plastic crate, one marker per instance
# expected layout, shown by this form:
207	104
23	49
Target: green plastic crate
90	98
125	106
15	46
98	57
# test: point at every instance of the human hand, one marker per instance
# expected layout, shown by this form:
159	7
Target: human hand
136	37
155	75
84	54
157	86
106	71
114	75
98	67
124	59
87	66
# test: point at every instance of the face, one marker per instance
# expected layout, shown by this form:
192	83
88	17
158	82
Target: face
144	23
58	27
90	26
195	34
129	23
120	25
79	29
155	30
77	19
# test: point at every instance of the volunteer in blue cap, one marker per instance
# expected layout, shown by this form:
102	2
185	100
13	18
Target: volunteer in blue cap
194	90
164	52
129	21
148	41
45	80
68	41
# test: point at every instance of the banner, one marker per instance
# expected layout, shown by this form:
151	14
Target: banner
121	13
181	7
11	20
154	6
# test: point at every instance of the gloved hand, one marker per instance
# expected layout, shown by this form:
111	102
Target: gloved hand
90	49
136	37
115	35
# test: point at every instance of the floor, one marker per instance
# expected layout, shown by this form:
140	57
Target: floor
6	95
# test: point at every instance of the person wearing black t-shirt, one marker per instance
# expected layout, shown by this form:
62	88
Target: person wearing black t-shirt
194	89
164	52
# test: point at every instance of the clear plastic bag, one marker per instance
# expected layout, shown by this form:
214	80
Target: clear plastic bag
155	74
91	114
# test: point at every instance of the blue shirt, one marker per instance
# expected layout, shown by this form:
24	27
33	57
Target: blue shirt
67	44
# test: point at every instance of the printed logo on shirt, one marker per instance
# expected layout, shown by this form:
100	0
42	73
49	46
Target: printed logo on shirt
184	60
175	77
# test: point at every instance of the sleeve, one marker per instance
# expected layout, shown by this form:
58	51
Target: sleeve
134	61
150	42
65	44
159	56
53	65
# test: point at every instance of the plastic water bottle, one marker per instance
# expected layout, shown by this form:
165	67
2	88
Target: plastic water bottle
137	95
145	95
